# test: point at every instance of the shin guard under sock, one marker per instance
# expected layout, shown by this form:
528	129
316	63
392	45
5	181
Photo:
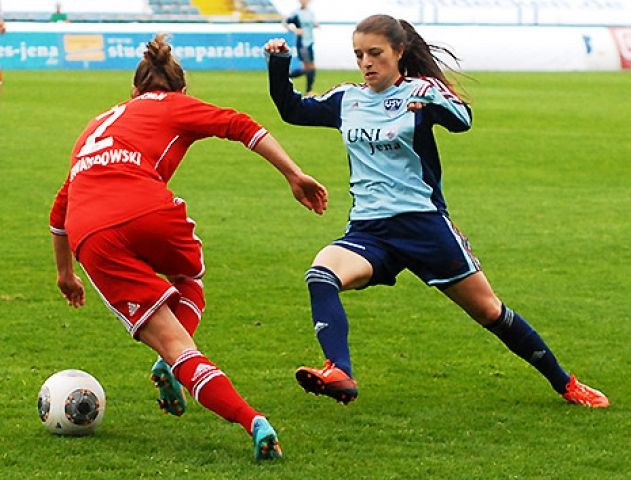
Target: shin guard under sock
524	341
210	387
329	318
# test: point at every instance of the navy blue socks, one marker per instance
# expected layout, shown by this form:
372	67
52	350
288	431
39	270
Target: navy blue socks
524	341
331	327
329	319
310	79
297	72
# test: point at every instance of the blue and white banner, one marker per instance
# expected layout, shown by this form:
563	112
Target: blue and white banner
59	50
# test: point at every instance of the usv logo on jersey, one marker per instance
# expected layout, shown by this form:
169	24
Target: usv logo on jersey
392	105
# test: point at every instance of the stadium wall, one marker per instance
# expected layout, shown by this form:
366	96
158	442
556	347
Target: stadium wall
239	46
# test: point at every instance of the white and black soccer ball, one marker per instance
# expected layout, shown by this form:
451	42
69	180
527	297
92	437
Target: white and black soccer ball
71	402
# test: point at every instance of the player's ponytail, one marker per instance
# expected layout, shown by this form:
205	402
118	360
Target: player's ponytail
418	58
159	70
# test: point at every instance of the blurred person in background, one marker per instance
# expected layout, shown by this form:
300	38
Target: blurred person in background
398	218
135	241
302	22
3	30
58	15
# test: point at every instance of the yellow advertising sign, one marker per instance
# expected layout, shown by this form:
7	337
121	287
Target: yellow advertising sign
84	48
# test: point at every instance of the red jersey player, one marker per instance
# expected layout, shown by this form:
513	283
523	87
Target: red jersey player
115	213
2	30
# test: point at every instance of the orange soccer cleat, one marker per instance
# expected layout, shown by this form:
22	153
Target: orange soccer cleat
330	381
584	395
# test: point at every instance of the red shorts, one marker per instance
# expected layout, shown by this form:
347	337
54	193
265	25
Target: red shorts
124	262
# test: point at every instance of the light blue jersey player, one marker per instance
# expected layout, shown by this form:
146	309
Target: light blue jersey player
398	219
302	22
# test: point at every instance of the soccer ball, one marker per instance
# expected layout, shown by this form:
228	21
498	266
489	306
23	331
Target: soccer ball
71	402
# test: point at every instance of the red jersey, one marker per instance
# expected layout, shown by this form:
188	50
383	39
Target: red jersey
121	163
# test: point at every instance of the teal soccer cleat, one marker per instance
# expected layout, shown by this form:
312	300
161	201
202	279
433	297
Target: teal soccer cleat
172	397
265	440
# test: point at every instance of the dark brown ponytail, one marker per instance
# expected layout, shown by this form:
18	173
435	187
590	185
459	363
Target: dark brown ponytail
159	70
419	58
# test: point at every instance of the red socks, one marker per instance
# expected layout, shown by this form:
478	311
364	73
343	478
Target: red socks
205	382
191	306
210	387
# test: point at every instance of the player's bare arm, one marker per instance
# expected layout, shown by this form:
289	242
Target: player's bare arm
305	189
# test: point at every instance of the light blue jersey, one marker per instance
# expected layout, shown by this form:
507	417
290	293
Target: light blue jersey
394	162
304	19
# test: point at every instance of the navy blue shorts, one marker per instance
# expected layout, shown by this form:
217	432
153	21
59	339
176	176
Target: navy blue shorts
305	54
428	244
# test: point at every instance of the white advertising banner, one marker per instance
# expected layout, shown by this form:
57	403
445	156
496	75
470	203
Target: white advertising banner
501	48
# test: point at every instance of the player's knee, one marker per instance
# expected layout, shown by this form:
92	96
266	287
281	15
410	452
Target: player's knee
322	275
487	312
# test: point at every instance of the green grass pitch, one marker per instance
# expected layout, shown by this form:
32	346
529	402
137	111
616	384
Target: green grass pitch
542	187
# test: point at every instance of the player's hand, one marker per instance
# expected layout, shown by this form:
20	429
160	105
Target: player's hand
71	288
310	193
414	106
276	45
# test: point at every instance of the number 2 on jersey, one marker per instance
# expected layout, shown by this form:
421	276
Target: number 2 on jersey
96	141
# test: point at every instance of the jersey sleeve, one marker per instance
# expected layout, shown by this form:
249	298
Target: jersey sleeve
321	111
58	210
442	104
294	19
201	120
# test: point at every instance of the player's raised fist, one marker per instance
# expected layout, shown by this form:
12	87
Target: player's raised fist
276	45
